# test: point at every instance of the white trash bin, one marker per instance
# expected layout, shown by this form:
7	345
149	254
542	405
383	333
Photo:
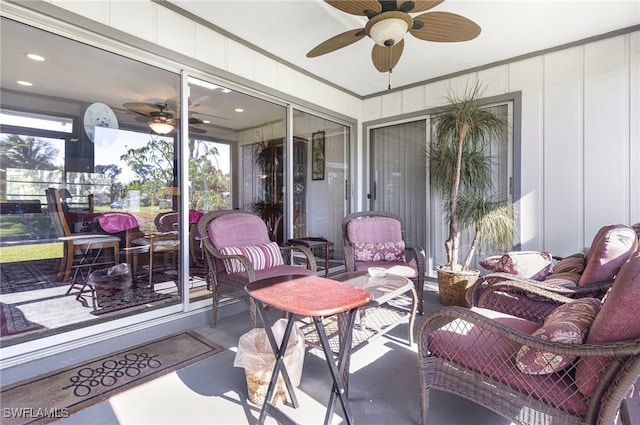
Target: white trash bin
256	357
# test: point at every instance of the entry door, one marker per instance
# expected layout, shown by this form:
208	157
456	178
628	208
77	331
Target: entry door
398	175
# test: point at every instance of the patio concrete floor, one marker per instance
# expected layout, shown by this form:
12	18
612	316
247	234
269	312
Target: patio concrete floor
383	388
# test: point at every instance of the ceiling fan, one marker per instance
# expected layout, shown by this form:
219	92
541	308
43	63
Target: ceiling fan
160	118
388	23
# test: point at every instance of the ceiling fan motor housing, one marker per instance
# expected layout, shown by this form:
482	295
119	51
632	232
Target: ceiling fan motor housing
388	28
161	116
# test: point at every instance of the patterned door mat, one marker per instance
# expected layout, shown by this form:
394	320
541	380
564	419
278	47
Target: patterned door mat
58	394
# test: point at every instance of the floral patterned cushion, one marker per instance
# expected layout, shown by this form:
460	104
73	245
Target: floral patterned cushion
569	324
529	264
261	257
490	263
379	251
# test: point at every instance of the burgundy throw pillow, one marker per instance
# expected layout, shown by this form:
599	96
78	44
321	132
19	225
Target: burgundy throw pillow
618	320
611	248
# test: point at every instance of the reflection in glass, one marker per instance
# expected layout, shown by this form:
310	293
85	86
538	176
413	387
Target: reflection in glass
73	130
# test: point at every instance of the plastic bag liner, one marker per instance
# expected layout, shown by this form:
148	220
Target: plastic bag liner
112	284
256	357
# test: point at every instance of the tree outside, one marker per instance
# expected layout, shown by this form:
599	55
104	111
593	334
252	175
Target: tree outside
30	165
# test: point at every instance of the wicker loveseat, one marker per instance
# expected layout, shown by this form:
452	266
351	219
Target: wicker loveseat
539	374
528	285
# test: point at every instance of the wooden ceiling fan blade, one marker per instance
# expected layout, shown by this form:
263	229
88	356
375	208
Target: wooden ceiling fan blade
337	42
208	115
385	58
148	109
357	7
444	27
140	108
417	5
196	130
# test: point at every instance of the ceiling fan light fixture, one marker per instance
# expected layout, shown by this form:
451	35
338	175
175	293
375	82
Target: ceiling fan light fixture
389	32
388	28
161	127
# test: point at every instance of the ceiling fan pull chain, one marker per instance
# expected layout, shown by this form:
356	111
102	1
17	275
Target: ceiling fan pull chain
390	69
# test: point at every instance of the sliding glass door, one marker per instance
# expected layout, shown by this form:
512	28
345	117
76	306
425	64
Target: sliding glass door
319	178
398	175
399	183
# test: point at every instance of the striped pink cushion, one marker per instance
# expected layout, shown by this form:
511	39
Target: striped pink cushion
261	257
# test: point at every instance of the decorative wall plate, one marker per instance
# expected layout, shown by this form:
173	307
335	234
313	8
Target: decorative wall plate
100	115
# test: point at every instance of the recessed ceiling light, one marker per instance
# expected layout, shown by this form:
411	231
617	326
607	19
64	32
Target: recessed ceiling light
204	84
206	122
25	83
35	57
239	110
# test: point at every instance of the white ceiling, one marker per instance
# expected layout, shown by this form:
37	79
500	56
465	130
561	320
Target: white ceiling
288	29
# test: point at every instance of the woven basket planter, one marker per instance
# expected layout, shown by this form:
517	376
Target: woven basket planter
453	285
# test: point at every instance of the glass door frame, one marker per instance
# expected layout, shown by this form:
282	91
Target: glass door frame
514	102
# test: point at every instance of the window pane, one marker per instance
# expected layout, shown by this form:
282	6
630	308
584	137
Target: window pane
320	180
83	129
41	122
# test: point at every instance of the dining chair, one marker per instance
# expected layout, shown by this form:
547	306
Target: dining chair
169	221
84	244
164	240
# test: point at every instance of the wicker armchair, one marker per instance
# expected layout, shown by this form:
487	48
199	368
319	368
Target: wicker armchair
478	354
534	297
238	251
366	239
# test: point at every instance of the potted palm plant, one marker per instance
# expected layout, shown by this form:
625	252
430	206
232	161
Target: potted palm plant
460	171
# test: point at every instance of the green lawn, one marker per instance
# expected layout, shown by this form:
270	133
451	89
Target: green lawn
10	254
27	252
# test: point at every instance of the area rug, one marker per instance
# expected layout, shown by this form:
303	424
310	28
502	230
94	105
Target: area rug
23	276
61	393
13	321
139	297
